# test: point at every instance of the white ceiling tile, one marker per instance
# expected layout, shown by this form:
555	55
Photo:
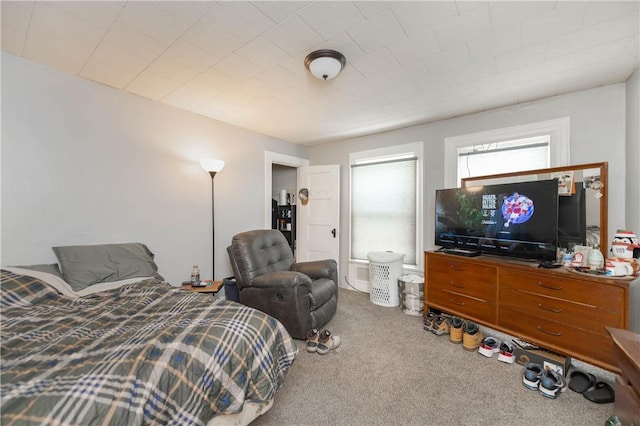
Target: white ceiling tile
108	72
12	41
371	8
494	44
331	18
445	61
217	79
521	57
475	71
128	39
416	46
466	27
436	83
238	67
278	11
465	6
376	63
378	32
600	11
98	13
188	12
191	95
166	67
417	17
262	52
507	13
190	55
240	18
58	58
151	21
152	86
15	15
293	36
562	20
213	39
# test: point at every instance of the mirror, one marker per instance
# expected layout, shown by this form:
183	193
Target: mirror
591	177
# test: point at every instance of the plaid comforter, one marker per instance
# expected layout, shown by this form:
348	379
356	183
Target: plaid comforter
146	353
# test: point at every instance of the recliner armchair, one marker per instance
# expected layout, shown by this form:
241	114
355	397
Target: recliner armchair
302	296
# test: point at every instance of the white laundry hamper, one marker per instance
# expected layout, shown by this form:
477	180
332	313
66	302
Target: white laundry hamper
385	268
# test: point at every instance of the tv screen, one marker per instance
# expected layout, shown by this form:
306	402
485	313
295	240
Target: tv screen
572	218
513	219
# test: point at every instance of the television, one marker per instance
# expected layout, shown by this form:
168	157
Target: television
572	218
510	219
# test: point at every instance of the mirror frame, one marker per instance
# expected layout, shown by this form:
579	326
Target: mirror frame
604	199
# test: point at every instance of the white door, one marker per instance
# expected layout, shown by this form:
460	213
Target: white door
318	216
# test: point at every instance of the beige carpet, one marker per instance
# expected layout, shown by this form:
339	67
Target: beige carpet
388	370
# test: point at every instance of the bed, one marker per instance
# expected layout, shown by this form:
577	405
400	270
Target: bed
133	351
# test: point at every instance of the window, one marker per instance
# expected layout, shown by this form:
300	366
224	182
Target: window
386	202
527	147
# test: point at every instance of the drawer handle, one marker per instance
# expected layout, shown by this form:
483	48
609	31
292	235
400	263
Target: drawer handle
456	302
455	284
547	308
456	267
550	287
553	333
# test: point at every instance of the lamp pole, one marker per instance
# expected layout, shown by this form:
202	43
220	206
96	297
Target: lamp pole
212	166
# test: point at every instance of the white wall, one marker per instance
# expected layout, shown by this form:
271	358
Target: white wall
83	163
597	134
633	152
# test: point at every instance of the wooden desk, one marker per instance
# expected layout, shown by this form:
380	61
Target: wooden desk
212	288
626	351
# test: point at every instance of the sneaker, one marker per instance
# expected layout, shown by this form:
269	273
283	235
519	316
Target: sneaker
489	346
326	342
471	336
531	375
455	330
506	353
312	340
551	383
440	326
428	321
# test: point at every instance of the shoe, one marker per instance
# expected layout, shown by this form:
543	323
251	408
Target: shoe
551	383
429	318
326	342
506	353
471	336
312	340
489	346
580	381
440	326
531	375
455	330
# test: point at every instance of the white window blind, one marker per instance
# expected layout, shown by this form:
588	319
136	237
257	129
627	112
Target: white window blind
383	208
504	157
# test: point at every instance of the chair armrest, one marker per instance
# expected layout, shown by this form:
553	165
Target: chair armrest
318	269
281	279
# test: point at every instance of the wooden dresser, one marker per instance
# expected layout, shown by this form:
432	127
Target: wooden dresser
561	310
627	355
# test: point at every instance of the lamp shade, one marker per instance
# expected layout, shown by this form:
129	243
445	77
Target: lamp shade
211	164
325	64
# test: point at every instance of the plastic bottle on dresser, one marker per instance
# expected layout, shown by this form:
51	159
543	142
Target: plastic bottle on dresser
195	275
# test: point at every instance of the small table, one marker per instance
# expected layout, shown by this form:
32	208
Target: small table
211	288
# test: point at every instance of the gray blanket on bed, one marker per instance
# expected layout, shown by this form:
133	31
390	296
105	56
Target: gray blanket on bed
146	353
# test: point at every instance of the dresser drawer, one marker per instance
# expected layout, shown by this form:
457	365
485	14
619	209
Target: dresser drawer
461	305
576	315
461	283
463	271
606	297
591	347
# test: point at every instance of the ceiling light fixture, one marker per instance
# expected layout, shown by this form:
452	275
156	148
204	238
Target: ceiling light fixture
325	64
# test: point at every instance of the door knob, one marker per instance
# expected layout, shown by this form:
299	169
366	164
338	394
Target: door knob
333	231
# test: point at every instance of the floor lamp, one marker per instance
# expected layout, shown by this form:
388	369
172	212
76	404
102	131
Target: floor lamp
212	166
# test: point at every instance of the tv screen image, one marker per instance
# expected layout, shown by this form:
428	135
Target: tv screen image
513	219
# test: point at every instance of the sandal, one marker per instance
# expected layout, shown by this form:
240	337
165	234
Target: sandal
580	382
602	393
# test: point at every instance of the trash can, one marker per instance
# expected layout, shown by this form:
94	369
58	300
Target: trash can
231	291
385	268
411	291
